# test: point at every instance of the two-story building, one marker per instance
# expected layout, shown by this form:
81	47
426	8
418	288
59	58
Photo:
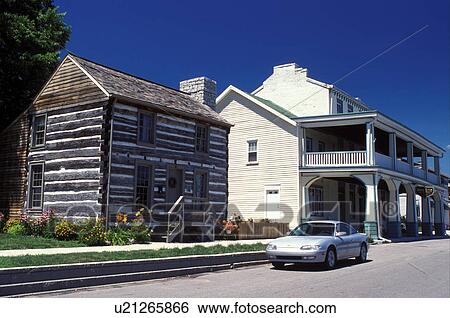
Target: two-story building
97	141
301	149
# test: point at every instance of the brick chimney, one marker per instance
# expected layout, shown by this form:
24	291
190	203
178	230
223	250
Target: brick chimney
202	89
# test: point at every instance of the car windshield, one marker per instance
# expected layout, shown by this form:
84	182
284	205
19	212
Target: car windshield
313	229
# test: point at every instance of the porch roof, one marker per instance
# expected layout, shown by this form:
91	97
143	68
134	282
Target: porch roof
380	120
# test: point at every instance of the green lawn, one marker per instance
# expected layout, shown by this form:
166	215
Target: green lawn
13	242
35	260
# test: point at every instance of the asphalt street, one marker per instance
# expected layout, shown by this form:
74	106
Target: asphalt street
414	269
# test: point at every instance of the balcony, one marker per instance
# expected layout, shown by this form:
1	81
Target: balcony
335	145
336	159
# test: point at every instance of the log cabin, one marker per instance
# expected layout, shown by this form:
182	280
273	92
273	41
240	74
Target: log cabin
97	141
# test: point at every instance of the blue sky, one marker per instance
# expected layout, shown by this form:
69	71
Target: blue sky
238	42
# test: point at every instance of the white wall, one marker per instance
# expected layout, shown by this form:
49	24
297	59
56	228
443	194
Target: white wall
277	159
290	88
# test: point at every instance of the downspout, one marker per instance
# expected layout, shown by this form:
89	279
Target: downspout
111	104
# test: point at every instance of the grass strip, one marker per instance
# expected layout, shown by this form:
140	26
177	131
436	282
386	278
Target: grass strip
37	260
16	242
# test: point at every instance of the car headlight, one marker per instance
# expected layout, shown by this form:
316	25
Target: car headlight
271	247
310	247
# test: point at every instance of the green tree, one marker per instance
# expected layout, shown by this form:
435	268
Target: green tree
31	34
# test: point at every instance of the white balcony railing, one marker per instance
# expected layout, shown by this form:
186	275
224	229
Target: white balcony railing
336	159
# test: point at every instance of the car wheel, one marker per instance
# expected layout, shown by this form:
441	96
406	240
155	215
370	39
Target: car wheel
362	254
331	259
278	265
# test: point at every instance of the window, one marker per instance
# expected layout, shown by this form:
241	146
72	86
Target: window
36	186
342	227
316	201
201	138
146	128
321	146
340	106
308	144
252	151
200	184
350	108
39	131
143	184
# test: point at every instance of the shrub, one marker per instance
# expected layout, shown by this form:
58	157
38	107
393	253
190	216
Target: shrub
65	231
3	219
119	236
15	227
93	233
140	231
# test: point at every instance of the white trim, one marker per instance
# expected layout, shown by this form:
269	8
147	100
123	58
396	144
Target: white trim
231	88
90	76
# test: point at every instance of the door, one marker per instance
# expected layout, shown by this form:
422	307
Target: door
273	203
174	184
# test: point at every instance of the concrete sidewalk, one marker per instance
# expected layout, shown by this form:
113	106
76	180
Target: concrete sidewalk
125	248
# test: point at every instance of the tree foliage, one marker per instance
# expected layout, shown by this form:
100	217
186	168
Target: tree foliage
32	33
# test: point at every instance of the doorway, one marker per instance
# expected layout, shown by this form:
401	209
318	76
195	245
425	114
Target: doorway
175	180
272	198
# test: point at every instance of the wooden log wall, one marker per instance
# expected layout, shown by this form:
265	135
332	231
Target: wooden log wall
174	146
13	165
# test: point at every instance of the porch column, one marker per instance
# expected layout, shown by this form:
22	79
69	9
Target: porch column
409	149
427	225
302	145
393	210
411	211
439	226
305	182
393	149
370	144
424	163
437	168
371	216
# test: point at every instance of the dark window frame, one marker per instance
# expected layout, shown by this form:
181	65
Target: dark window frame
206	139
310	141
194	190
31	185
350	108
150	194
34	131
339	106
153	129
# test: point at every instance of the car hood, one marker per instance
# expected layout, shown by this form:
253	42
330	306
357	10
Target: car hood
298	241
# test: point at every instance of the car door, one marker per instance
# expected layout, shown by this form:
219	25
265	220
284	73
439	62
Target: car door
344	242
355	242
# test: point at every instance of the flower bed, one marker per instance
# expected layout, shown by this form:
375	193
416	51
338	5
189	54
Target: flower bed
128	229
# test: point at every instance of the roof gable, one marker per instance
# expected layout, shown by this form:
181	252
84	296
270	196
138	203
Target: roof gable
263	103
68	85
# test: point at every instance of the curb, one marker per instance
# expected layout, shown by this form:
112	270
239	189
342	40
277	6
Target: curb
29	280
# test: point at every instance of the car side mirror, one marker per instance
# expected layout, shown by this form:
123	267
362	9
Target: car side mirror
341	233
288	232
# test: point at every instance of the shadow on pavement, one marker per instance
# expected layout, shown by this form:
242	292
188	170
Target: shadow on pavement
320	267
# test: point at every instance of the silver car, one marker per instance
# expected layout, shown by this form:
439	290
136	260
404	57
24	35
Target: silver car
318	242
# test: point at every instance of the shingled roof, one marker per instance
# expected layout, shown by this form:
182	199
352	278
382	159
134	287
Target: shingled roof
123	85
